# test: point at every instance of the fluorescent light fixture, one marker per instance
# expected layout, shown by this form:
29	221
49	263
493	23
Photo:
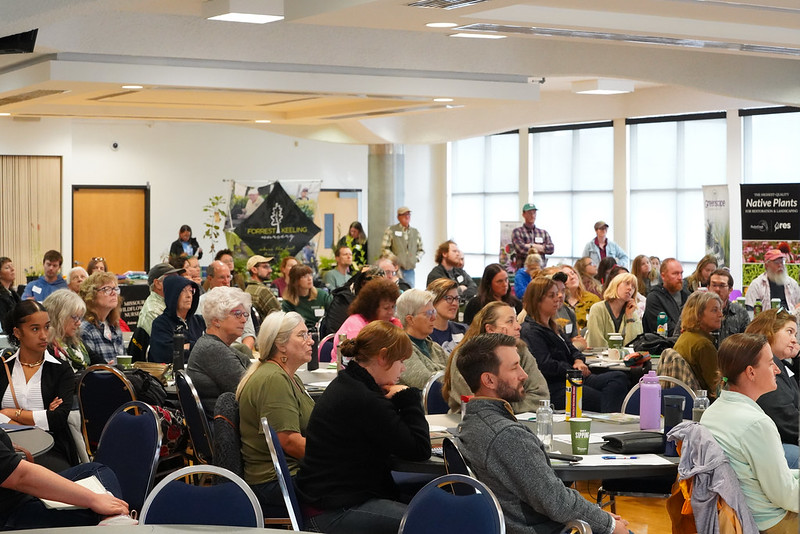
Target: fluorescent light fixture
263	121
250	11
478	35
442	99
5	114
441	25
132	87
602	86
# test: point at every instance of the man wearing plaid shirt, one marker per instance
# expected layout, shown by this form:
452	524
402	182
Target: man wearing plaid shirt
528	238
404	242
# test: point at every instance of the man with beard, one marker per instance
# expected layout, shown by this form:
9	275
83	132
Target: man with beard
773	283
668	298
506	455
734	316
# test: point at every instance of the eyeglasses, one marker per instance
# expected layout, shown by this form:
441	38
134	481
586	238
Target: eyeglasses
76	318
430	314
98	259
450	299
189	290
390	273
109	290
239	314
305	335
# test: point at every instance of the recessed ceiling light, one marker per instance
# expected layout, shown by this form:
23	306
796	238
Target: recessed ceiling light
442	99
263	121
441	25
602	86
251	11
5	114
132	87
478	35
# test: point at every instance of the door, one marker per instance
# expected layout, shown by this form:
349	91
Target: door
111	223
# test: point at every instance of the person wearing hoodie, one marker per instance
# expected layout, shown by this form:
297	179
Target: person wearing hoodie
181	297
214	367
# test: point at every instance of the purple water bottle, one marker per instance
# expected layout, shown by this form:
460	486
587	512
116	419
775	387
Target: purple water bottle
649	402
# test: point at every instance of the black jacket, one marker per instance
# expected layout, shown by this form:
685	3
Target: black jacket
176	248
351	437
658	300
782	405
554	355
168	323
8	299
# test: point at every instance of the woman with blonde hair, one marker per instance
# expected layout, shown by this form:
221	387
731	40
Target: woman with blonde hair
496	318
272	389
700	277
100	330
587	270
576	296
447	333
362	421
617	312
302	297
66	310
701	315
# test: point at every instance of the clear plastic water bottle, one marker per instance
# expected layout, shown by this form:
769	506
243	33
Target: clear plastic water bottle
544	424
662	324
700	404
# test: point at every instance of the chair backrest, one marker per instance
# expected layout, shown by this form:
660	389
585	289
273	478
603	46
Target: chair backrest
229	503
130	446
101	390
325	348
455	464
227	439
195	417
673	364
432	399
257	319
284	476
435	510
631	402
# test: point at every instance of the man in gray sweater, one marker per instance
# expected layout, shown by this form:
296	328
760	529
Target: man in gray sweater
506	455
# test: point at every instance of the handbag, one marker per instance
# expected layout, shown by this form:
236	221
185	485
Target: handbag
634	443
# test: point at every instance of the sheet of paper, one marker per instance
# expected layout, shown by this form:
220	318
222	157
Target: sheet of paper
593	438
620	459
531	416
320	384
92	483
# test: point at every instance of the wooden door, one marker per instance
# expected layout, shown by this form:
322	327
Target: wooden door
111	223
337	209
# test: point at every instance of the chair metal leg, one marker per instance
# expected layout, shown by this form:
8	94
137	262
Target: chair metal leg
612	503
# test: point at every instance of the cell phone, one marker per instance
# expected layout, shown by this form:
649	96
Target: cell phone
565	457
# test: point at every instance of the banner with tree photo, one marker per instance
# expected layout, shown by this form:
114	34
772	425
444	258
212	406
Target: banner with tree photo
265	219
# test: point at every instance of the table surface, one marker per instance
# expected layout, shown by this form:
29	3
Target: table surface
567	472
35	440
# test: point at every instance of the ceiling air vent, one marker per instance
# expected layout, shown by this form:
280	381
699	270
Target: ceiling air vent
445	4
31	95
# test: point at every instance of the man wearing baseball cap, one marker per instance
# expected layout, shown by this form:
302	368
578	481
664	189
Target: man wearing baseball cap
773	283
403	241
154	305
528	238
600	247
264	300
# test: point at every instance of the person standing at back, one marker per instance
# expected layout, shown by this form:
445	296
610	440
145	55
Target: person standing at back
404	241
528	237
601	247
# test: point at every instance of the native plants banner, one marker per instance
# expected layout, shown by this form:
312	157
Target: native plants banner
770	219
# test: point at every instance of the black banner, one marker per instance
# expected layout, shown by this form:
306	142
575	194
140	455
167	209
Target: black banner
770	212
277	224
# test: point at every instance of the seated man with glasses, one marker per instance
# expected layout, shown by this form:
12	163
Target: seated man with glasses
181	297
417	314
734	317
773	283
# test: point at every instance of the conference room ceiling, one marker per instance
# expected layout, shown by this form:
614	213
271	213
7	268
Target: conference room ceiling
369	71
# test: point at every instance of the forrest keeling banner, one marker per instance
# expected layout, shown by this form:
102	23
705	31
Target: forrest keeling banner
275	225
718	228
770	219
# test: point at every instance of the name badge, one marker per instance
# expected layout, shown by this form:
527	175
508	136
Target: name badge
789	372
36	289
538	240
459	278
398	233
319	312
568	329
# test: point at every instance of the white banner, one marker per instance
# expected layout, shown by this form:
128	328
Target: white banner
718	227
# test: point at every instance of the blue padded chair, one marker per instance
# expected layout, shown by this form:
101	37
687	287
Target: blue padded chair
284	476
130	446
101	390
631	402
326	348
435	510
230	503
455	464
195	417
432	399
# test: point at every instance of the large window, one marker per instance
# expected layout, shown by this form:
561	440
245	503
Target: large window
571	182
484	191
670	161
771	139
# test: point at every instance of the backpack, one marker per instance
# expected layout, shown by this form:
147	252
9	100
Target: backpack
146	387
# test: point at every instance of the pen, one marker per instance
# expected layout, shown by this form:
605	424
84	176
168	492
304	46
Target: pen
620	457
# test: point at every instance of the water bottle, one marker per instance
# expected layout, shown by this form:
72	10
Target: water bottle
649	402
700	404
574	394
775	303
178	342
757	308
544	424
341	361
615	342
662	324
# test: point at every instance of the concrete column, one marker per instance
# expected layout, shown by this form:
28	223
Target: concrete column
524	166
386	181
735	176
621	220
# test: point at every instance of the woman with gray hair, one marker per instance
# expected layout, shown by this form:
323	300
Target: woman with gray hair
271	389
75	278
418	316
66	310
214	366
701	315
